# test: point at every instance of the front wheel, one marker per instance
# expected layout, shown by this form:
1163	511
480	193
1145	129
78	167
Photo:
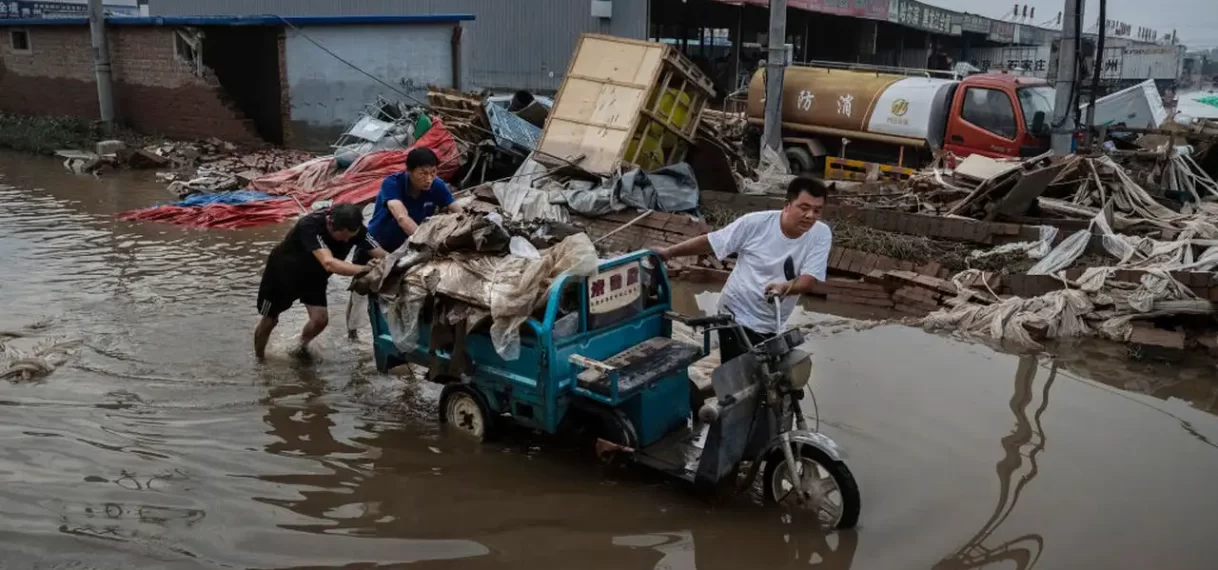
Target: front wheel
464	409
833	492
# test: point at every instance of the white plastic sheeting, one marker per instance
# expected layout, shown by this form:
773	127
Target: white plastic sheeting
1097	307
1035	249
1094	306
509	287
773	174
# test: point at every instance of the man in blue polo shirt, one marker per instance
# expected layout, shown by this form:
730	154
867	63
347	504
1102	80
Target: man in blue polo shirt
408	198
405	200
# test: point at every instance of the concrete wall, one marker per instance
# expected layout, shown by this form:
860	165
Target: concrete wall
512	44
327	95
154	91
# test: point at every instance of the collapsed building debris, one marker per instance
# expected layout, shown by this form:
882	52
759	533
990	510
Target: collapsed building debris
657	167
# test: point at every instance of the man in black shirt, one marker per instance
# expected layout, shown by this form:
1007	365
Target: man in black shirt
300	267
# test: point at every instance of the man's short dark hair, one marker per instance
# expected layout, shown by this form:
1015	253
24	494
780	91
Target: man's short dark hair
806	184
421	156
347	217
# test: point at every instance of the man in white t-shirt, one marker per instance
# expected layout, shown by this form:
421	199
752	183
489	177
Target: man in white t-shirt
762	241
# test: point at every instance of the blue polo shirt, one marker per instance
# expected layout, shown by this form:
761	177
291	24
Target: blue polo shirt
386	229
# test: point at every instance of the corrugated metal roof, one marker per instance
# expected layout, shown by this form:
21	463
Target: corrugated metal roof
243	20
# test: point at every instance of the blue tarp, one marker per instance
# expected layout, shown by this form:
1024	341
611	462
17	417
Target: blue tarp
237	197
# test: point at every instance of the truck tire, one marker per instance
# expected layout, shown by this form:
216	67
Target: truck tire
802	161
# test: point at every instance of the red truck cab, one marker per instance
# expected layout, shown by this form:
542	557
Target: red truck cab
999	115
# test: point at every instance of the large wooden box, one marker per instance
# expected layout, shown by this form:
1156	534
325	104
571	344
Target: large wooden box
625	103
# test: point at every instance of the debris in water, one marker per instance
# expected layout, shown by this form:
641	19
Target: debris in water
44	359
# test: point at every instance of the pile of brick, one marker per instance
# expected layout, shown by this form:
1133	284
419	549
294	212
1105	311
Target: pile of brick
861	278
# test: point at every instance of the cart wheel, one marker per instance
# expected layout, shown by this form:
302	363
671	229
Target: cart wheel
834	492
464	409
614	427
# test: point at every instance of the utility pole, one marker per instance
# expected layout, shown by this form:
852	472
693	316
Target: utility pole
1089	122
775	64
1067	87
101	62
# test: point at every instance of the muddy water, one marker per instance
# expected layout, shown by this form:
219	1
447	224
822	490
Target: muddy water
163	445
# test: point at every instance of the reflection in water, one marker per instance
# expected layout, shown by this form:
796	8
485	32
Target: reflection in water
387	483
347	497
677	548
1025	550
164	446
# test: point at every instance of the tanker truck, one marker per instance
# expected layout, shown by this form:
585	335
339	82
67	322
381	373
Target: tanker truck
847	122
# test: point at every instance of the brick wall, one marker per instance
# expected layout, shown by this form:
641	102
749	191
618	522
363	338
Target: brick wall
657	229
154	91
938	227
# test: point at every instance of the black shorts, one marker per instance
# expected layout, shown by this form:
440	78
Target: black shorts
282	285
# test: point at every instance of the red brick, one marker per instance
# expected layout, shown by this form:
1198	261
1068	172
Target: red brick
857	284
855	300
869	263
856	261
913	310
930	268
835	257
905	224
1143	334
153	91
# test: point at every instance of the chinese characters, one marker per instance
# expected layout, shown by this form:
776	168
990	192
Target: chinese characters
805	100
845	104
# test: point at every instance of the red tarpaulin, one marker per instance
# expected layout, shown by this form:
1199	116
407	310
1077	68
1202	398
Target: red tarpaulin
307	183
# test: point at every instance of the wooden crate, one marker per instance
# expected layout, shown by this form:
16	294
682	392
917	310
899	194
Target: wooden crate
618	91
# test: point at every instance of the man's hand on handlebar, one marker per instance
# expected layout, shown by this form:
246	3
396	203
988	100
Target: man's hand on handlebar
778	289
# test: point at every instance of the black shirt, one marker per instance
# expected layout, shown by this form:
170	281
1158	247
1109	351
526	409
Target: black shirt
311	233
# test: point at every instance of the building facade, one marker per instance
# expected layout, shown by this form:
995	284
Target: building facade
510	44
288	81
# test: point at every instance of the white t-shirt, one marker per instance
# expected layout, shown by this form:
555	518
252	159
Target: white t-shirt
761	250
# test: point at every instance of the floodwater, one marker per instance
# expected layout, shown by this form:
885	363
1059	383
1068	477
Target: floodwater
162	444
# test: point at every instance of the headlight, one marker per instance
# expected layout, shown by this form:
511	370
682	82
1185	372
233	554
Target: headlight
798	365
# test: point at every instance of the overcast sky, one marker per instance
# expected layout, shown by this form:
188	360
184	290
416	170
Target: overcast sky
1195	20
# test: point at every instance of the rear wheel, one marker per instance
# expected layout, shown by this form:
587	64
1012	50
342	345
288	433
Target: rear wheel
611	426
834	494
463	409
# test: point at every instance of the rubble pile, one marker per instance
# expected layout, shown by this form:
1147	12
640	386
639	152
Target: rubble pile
216	166
464	112
188	167
730	126
1112	242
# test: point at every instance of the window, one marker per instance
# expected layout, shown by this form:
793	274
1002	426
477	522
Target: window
186	46
19	40
991	110
1033	99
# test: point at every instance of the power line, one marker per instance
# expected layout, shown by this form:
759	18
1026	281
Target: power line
424	104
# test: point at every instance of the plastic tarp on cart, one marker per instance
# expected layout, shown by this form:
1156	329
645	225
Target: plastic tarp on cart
507	286
308	183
